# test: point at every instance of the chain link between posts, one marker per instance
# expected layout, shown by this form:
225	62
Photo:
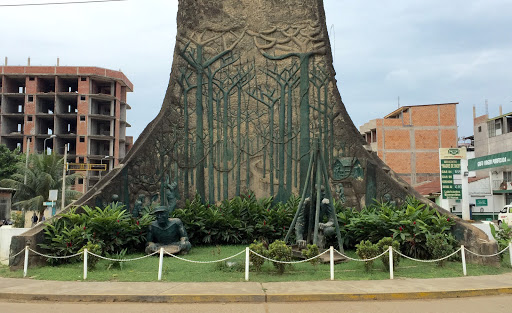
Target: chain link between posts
489	255
289	262
203	262
122	260
362	260
427	261
56	257
1	260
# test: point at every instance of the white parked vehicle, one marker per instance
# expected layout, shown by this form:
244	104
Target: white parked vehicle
505	215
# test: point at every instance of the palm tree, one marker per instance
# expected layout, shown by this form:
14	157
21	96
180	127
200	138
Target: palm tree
44	173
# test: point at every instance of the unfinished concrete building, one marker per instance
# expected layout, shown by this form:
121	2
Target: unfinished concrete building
53	107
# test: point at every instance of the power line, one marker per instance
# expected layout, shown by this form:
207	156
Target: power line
57	3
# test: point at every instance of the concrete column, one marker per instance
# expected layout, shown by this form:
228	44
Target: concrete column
465	189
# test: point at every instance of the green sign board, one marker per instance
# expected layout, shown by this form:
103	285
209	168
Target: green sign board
481	202
451	180
490	161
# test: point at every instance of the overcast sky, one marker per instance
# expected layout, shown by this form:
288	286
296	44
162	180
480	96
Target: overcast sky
424	51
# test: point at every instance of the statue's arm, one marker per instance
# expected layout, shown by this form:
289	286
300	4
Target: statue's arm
149	237
182	231
299	226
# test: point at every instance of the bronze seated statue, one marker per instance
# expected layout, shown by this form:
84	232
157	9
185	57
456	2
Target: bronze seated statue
167	233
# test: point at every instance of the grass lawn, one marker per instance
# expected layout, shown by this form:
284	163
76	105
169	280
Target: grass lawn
180	271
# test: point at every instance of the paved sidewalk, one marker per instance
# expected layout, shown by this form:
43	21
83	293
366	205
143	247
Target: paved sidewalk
168	292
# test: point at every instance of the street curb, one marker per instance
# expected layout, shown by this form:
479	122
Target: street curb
389	296
257	298
180	298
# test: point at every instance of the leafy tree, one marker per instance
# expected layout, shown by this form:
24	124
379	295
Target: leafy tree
8	161
44	172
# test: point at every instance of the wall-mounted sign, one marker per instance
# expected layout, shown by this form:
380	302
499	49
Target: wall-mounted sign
451	180
452	153
490	161
450	167
481	202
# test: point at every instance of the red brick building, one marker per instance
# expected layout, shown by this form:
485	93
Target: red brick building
408	139
55	106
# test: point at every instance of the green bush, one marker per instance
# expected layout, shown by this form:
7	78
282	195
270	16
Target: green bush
240	220
503	236
383	245
311	251
439	246
91	260
112	228
18	219
409	224
279	251
116	256
256	261
367	250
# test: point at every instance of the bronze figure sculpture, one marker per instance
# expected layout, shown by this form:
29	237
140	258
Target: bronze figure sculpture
167	233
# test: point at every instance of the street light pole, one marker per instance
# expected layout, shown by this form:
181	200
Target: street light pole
44	143
104	158
63	204
26	161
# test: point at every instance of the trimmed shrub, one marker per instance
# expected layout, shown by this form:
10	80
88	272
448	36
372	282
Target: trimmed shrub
91	259
279	251
439	246
311	251
256	261
383	245
367	250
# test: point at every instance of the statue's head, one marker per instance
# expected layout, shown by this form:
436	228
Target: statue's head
387	197
115	198
162	215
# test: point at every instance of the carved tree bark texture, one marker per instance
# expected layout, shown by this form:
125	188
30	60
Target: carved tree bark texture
251	87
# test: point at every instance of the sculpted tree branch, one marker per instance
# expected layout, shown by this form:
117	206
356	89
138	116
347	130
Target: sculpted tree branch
302	41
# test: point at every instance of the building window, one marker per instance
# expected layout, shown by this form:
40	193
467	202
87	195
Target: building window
29	118
82	139
507	177
80	181
30	98
479	129
82	118
84	79
494	128
82	98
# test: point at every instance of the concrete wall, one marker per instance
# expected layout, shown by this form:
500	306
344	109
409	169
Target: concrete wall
6	234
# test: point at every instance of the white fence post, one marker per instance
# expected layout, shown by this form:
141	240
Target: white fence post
85	264
391	274
247	252
331	252
160	263
25	265
463	253
510	252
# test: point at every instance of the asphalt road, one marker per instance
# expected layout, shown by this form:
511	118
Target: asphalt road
496	304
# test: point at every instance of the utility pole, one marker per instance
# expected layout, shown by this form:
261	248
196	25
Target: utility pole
26	161
63	202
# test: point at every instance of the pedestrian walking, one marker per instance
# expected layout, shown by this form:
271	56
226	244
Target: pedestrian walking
34	219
